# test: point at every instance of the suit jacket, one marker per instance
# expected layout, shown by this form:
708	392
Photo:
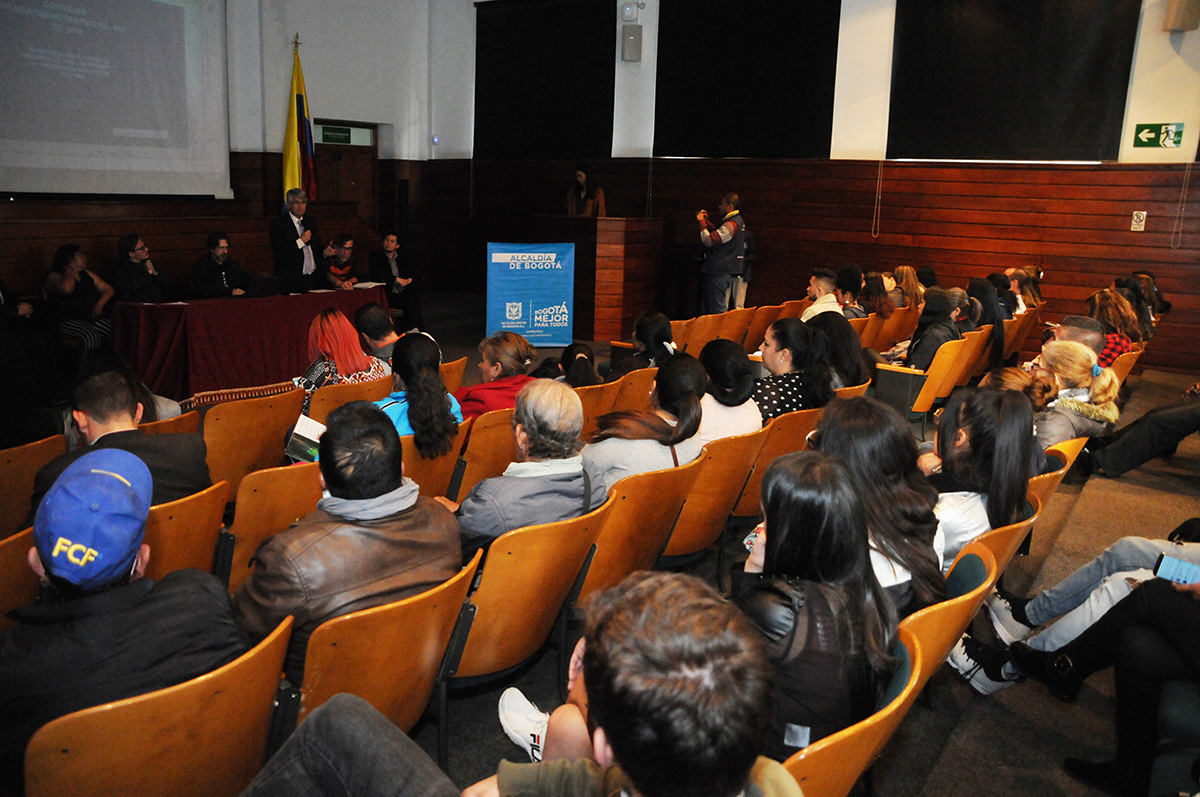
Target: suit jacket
177	462
289	258
209	278
134	284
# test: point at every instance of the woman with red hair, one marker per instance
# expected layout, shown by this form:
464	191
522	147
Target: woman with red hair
337	356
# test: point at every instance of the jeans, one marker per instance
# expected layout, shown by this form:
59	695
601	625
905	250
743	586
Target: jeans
1127	553
346	747
1110	592
716	293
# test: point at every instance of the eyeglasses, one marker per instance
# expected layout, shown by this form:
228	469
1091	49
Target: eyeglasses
142	248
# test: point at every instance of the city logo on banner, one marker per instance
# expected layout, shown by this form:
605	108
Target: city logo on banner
513	311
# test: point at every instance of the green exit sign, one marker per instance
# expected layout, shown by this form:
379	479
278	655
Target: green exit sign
336	135
1158	135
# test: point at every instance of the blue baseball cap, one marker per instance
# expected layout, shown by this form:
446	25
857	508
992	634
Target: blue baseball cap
90	524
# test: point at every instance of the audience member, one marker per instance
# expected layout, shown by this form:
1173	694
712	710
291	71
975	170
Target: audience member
727	408
678	690
217	275
927	277
371	541
906	538
1067	609
874	297
1149	638
981	468
419	404
822	287
630	442
724	253
990	314
651	345
336	355
968	310
1150	289
106	408
797	360
341	270
377	331
1121	330
1081	329
1085	405
1024	287
503	371
295	241
849	285
134	275
809	589
846	364
78	298
99	631
907	291
585	198
391	266
1155	434
577	366
1004	295
935	326
1143	310
549	480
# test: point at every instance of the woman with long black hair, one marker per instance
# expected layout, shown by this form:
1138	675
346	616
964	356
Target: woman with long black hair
906	538
727	408
984	292
809	587
419	404
664	436
652	345
797	358
934	327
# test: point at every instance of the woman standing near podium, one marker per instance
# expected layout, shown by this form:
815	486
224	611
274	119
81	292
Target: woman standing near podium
585	199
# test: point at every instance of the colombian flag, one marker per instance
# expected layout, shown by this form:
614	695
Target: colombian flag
298	141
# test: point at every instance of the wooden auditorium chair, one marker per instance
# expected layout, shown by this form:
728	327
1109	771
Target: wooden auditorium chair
18	466
249	434
270	501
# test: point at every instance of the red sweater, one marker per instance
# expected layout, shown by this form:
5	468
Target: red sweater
499	394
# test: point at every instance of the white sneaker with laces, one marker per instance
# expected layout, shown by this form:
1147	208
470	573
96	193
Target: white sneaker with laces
1007	627
523	722
980	666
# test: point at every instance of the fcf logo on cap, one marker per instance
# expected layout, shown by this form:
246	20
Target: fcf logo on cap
76	553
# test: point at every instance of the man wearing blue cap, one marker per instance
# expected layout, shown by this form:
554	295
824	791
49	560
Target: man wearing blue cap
100	632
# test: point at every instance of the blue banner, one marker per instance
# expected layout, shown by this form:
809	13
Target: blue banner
531	291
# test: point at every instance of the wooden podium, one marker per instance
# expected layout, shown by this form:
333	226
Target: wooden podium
616	269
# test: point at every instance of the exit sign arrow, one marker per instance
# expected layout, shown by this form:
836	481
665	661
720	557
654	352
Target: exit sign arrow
1158	135
1146	136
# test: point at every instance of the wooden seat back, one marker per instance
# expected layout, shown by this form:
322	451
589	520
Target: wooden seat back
635	390
433	475
18	466
1006	540
760	322
794	308
525	582
938	627
680	330
859	325
866	338
703	329
942	373
786	433
853	390
831	766
976	346
249	434
184	533
187	423
983	359
727	463
452	373
1044	485
1068	450
18	583
206	736
490	449
898	326
387	655
328	398
636	530
1012	326
269	502
735	323
1124	363
597	400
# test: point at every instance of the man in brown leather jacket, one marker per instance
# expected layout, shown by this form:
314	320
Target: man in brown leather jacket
371	541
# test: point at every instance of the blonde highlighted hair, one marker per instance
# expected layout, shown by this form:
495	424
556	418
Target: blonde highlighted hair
510	351
1073	364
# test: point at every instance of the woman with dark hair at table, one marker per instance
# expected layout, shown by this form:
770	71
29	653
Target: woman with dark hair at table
78	298
337	356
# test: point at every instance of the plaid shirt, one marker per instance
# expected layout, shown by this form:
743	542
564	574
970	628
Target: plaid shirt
1115	344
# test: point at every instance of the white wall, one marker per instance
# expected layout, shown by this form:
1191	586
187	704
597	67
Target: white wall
409	65
1165	87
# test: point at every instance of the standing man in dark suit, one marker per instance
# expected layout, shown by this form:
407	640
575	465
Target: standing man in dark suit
295	242
106	408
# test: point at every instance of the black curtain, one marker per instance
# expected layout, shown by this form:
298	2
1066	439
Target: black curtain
1010	79
544	72
751	80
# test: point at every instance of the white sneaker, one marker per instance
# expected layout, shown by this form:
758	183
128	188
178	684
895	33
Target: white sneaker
523	722
979	665
1007	627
